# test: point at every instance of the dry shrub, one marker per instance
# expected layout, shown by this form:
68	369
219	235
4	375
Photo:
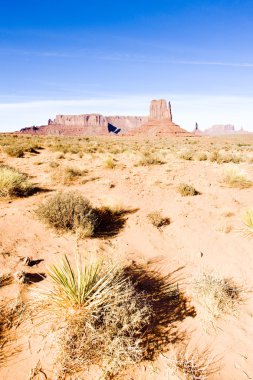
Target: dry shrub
15	151
186	155
67	175
224	159
202	156
187	190
109	316
11	316
109	163
5	279
234	178
219	296
158	220
14	183
192	364
149	159
100	317
69	211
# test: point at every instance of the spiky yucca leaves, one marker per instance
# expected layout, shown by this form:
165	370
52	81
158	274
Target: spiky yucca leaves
81	287
100	317
248	221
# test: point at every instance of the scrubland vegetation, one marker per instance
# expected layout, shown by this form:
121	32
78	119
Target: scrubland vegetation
98	269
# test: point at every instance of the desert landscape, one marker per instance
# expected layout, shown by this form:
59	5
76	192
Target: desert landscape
126	257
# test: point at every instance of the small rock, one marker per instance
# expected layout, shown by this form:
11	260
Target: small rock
26	261
19	277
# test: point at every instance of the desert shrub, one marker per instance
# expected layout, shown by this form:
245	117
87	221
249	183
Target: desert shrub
68	211
15	151
13	183
234	178
248	221
224	158
67	175
192	363
149	159
202	156
187	190
109	163
186	155
158	220
219	296
100	314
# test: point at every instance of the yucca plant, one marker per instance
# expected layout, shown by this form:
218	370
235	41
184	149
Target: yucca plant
248	221
82	287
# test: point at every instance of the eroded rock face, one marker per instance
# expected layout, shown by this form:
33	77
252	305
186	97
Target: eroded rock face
158	123
159	110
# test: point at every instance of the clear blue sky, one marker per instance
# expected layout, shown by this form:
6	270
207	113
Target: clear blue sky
113	57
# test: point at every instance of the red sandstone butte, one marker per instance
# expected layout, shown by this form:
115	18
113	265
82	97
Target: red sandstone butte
158	123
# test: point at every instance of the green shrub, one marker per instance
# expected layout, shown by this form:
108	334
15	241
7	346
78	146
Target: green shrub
13	183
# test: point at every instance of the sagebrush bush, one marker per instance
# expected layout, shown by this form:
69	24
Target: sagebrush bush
149	159
69	211
14	183
187	190
67	175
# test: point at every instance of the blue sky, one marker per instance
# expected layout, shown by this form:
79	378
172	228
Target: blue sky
109	57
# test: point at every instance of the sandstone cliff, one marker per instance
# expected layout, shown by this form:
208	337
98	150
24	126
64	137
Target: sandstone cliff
159	122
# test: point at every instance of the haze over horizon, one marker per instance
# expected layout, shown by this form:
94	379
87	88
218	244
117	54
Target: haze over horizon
112	58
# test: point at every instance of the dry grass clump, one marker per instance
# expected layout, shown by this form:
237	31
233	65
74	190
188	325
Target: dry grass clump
109	163
248	221
11	316
234	178
14	183
202	156
186	155
149	159
192	364
5	279
219	296
100	317
15	151
67	175
68	211
158	220
224	158
187	190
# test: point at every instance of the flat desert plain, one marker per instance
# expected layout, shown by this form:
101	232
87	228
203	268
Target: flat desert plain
172	215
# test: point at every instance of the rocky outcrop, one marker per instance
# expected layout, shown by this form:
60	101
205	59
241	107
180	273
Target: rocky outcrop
158	123
159	110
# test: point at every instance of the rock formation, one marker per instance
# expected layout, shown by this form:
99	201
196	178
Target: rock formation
158	123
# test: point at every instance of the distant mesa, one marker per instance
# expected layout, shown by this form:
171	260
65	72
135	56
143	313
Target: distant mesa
158	123
219	130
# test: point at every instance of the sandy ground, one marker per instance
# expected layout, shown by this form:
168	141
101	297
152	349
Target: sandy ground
204	235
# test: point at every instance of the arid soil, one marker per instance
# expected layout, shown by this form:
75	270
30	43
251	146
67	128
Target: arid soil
206	234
